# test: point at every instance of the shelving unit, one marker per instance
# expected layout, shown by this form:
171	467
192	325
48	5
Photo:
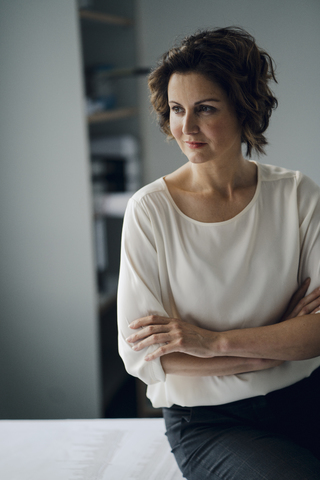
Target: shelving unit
108	39
119	27
111	115
110	122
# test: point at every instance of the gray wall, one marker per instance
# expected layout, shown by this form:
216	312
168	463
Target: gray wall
48	327
288	29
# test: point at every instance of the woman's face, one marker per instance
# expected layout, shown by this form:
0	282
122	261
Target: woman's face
202	119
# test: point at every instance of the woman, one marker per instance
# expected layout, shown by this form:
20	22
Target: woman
211	256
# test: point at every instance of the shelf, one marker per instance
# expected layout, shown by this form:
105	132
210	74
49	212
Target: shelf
105	18
109	115
111	204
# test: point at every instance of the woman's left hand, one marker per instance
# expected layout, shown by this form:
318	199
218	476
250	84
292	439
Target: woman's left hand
300	304
175	335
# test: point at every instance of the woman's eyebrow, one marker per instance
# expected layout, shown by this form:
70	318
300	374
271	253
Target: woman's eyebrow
200	101
208	100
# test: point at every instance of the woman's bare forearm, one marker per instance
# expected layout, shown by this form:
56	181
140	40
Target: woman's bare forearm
294	339
189	365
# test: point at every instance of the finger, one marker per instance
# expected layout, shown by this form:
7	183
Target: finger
302	290
149	320
305	301
314	294
312	307
146	332
316	310
308	303
153	340
297	296
308	309
163	350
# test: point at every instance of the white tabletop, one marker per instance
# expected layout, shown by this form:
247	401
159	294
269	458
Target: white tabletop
102	449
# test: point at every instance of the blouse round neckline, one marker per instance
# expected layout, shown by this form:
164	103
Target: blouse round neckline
225	222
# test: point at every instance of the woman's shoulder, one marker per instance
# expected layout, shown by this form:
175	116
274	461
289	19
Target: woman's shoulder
273	173
304	189
149	189
151	201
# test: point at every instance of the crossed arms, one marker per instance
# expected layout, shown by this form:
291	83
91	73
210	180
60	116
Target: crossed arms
186	349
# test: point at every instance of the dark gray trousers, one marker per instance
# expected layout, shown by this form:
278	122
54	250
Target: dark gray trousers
271	437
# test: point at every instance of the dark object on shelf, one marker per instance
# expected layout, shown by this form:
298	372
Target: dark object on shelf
108	174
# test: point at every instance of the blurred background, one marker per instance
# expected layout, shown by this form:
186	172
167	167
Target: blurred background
76	139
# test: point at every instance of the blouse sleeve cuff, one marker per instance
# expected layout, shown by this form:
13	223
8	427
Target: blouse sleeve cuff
158	372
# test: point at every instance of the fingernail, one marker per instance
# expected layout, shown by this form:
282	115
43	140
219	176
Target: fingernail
147	358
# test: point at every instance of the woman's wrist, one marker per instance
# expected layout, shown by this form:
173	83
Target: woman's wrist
219	344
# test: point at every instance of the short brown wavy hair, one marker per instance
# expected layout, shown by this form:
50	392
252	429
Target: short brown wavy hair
229	57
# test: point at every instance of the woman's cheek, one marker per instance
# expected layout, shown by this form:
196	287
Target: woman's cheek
174	128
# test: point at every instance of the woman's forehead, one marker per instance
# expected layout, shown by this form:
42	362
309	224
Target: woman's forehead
193	86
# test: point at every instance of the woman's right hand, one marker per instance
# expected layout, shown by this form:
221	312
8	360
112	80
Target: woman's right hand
303	305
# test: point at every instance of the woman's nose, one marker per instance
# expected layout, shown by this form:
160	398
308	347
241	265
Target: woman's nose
190	124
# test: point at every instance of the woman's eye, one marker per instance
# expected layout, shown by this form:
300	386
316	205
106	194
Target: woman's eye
176	109
206	109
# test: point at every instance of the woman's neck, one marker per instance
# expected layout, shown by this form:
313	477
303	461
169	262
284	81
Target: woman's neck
220	178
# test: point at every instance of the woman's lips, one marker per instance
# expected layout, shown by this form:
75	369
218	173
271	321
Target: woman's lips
195	144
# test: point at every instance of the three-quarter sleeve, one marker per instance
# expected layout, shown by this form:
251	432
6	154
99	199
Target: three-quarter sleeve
139	291
309	213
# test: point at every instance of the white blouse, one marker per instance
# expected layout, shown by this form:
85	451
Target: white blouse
220	276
